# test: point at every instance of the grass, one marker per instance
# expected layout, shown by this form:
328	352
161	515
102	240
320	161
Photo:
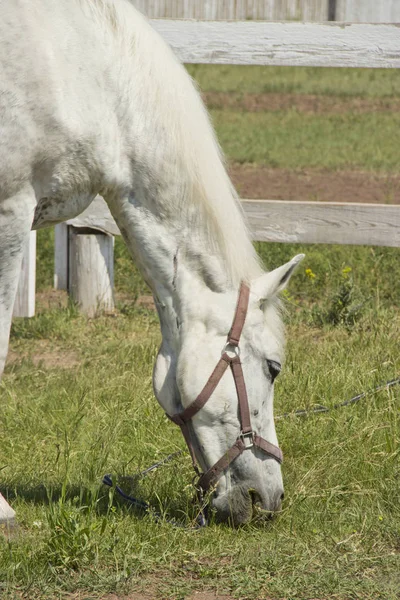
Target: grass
366	83
339	533
65	425
289	139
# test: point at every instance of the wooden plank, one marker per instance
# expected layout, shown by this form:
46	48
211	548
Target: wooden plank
24	305
61	256
368	11
286	44
350	11
291	221
314	10
323	222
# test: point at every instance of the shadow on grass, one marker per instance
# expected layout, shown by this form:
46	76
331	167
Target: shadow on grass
98	497
102	498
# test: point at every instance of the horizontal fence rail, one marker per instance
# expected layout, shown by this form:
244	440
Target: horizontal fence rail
291	221
323	222
283	44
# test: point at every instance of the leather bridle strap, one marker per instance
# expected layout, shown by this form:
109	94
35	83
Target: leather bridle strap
182	418
247	437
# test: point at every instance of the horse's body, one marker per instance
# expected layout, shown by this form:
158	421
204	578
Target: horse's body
92	101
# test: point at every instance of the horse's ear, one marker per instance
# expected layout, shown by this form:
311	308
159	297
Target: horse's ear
272	283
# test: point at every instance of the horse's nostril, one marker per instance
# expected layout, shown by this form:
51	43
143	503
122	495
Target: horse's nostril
282	496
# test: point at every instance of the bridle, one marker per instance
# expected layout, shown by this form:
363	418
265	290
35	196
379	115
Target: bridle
247	438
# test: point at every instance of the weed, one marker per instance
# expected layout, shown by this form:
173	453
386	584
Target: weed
73	532
345	306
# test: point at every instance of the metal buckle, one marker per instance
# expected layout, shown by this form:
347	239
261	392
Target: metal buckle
249	436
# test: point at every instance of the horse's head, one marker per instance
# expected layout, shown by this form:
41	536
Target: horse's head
254	476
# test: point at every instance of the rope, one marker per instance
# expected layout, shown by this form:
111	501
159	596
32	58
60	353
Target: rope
144	506
325	409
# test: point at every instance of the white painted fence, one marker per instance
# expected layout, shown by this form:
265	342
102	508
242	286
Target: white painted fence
247	43
235	10
349	11
367	11
285	44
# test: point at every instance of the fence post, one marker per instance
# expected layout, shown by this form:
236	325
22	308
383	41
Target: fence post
24	305
91	269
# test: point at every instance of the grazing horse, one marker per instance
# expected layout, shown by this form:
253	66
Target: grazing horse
92	101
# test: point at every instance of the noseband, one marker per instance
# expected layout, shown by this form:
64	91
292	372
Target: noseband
247	438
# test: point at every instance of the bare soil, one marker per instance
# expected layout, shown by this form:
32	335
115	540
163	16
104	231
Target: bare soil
51	299
152	594
261	182
46	355
303	103
204	595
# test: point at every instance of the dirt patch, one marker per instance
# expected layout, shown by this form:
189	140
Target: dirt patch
46	356
146	302
303	103
152	595
51	299
134	596
209	596
259	182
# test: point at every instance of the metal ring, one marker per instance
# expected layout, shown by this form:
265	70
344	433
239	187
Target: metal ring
230	348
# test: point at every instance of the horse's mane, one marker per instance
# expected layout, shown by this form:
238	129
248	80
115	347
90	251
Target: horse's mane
206	193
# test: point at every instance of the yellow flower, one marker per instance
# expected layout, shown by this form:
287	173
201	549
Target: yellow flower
346	271
310	274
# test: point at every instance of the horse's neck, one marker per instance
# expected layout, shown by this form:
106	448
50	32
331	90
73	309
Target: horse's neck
162	247
166	248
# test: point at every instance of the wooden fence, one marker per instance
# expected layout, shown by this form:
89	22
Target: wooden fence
350	11
236	10
367	11
84	246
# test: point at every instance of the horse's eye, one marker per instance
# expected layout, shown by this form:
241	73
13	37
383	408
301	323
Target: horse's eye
274	369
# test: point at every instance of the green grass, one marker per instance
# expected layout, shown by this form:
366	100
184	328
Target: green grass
369	83
62	429
289	139
64	425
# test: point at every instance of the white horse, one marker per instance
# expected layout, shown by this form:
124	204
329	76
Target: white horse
92	101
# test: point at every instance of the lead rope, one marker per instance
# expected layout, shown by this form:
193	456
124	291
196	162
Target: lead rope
201	519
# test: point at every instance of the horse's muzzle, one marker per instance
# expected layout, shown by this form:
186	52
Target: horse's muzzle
241	503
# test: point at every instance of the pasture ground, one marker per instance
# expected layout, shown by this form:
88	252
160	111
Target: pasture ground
76	398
